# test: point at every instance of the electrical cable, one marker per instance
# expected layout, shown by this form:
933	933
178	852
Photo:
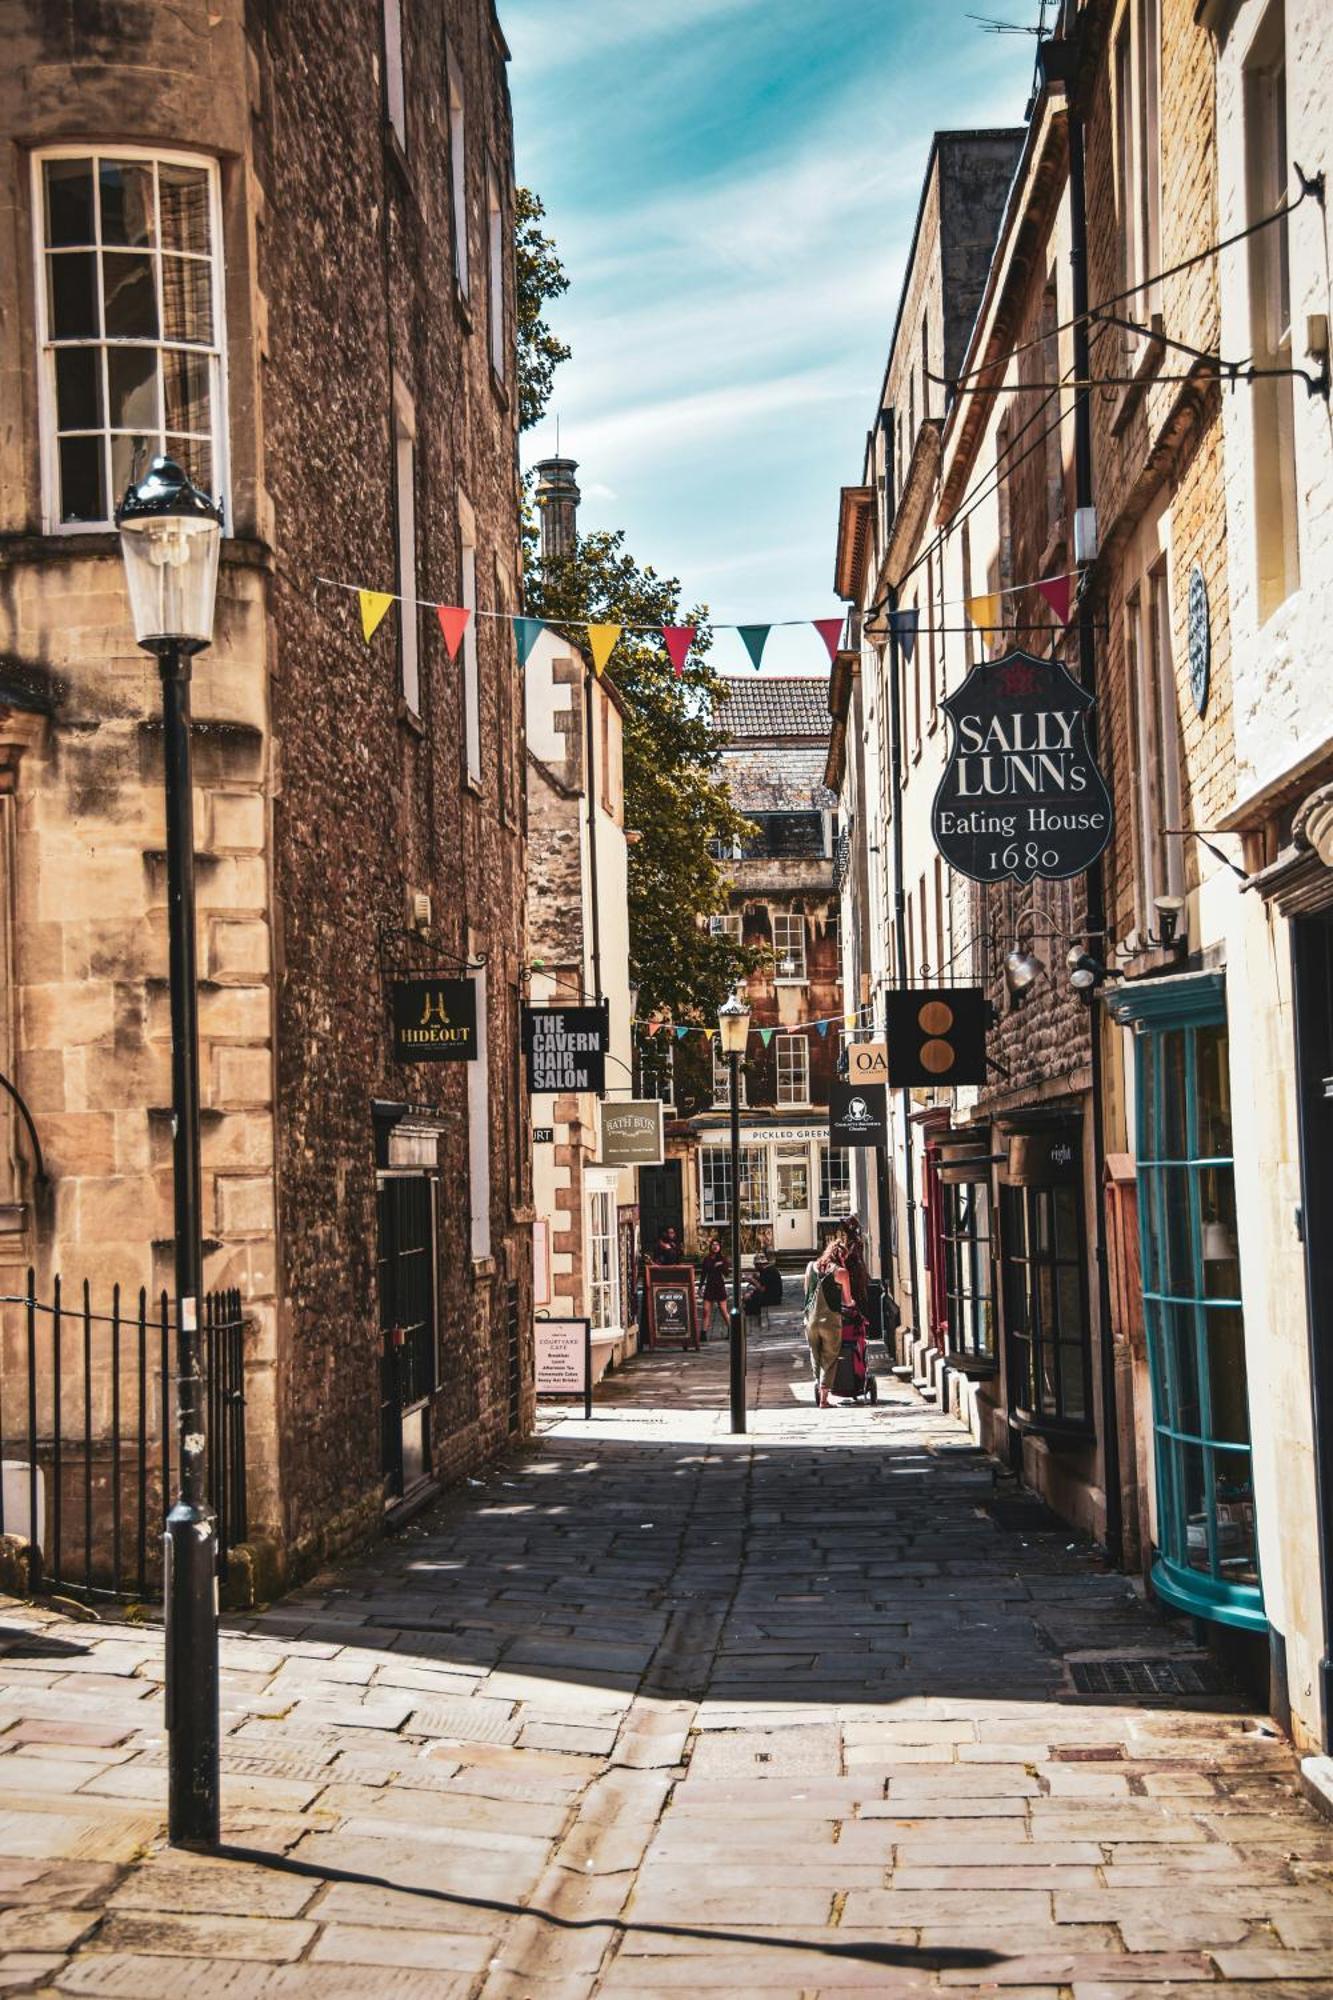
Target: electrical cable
1310	185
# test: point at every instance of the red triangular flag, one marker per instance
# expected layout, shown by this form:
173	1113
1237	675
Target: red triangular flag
830	631
1057	592
453	623
679	639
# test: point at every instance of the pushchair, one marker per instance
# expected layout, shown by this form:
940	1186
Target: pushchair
853	1377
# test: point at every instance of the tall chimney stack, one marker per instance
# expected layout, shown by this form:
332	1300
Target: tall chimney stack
558	499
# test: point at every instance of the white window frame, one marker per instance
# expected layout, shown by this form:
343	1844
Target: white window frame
405	523
495	275
835	1182
793	1069
457	170
730	925
479	1131
792	923
46	351
715	1186
722	1077
471	677
603	1252
395	86
1156	739
1138	159
1276	540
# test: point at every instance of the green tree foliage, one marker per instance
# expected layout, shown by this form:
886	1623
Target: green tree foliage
540	277
675	797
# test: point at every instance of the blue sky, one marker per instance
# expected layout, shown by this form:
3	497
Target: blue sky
732	186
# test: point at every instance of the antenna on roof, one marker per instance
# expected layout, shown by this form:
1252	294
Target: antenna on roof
1011	27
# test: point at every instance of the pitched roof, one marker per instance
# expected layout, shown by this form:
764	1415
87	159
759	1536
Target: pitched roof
774	708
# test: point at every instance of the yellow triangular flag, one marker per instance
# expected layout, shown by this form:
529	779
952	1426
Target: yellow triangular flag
602	640
984	611
374	604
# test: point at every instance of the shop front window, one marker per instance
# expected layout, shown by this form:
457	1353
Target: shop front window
1207	1557
1045	1302
968	1283
603	1306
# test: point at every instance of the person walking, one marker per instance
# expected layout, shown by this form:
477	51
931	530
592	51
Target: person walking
713	1287
823	1331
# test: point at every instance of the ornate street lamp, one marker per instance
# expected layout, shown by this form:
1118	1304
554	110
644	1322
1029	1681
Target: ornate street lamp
170	538
733	1027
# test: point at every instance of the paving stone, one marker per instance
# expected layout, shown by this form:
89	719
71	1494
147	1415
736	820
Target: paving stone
206	1936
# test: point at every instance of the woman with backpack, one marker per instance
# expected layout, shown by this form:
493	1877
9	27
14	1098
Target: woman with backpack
823	1330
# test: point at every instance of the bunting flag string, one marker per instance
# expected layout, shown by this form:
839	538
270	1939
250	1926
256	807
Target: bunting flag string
850	1023
374	604
984	611
601	644
454	620
755	638
679	639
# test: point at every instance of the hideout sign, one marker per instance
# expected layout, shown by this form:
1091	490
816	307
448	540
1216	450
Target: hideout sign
1021	795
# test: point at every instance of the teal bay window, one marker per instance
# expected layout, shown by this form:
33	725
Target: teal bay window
1207	1550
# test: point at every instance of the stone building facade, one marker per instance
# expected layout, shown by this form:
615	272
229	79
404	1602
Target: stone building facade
794	1185
585	1213
1136	1206
274	241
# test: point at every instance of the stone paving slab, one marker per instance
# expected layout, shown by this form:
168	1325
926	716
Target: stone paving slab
653	1710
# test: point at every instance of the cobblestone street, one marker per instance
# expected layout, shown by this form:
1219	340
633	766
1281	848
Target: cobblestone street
651	1711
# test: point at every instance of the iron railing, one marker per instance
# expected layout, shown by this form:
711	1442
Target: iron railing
87	1421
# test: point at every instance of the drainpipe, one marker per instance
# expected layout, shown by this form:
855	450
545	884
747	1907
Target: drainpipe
900	939
592	839
1096	889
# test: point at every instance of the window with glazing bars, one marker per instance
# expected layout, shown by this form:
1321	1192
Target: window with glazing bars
789	945
129	321
1045	1298
793	1053
1207	1548
968	1283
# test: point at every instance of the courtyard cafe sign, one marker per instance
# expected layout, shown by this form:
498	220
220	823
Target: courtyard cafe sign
1021	795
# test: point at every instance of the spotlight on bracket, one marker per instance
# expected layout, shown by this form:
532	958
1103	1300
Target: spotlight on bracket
1170	910
1022	969
1086	973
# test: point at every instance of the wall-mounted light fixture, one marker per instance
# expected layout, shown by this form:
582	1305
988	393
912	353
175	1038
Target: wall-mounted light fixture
1022	970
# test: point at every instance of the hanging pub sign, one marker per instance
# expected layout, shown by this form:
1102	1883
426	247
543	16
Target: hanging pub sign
1021	794
632	1133
936	1035
858	1115
867	1062
434	1020
565	1047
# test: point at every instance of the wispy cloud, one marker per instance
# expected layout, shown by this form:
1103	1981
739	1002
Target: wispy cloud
732	184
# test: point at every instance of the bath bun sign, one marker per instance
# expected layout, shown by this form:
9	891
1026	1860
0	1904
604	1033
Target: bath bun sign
1021	795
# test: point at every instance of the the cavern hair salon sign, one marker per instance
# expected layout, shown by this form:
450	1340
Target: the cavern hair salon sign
1021	795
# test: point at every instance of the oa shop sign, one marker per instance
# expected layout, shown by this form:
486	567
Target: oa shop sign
1021	795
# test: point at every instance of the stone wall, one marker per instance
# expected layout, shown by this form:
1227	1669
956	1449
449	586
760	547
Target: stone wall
322	806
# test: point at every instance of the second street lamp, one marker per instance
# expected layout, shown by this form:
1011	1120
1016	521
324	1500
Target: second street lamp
733	1026
171	538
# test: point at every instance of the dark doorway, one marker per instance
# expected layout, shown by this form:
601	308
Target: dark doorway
1313	961
406	1275
661	1202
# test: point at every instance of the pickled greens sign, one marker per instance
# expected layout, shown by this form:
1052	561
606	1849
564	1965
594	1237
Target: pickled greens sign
1021	796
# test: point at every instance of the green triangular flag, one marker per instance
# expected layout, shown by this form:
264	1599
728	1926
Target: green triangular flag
765	1036
756	638
527	631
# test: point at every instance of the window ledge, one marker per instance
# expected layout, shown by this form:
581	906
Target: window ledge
1055	1431
410	718
483	1268
977	1367
462	304
499	387
473	784
397	153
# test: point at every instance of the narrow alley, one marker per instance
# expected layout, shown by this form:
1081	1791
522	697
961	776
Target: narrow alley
653	1710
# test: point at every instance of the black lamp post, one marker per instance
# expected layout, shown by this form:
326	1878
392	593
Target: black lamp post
733	1026
171	538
